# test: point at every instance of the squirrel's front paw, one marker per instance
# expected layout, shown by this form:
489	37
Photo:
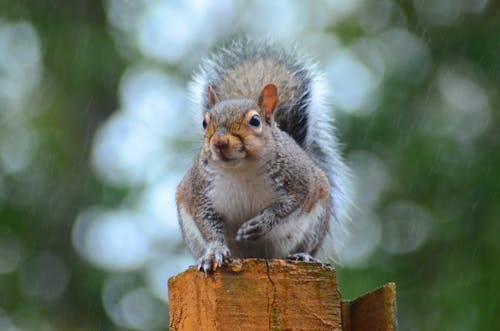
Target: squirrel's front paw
252	230
214	257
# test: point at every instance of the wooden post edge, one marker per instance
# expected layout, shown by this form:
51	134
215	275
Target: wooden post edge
374	311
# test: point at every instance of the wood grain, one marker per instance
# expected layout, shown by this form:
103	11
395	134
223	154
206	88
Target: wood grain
257	294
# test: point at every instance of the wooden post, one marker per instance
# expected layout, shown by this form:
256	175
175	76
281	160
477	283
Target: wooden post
374	311
257	294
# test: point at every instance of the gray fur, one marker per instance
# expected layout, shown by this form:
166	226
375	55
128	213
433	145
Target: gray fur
272	192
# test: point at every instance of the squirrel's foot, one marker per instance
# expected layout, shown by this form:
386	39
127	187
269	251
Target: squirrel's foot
303	257
216	255
253	229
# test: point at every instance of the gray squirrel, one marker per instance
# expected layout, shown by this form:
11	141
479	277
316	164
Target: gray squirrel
269	176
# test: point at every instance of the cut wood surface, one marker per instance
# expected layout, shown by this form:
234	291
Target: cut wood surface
258	294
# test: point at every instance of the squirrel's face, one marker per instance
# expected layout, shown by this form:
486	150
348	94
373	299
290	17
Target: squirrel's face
238	129
234	131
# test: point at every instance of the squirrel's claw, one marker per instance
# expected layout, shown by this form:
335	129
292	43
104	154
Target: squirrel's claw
251	230
215	257
304	257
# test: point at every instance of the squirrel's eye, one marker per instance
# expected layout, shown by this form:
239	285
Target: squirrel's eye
255	121
204	124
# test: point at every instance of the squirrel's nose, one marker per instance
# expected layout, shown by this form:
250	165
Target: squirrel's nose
221	143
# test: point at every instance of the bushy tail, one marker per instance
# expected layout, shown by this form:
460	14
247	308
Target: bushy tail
244	67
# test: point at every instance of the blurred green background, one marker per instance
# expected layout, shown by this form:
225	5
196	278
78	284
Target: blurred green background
95	132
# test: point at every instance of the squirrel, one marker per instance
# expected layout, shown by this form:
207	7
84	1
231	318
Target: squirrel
269	176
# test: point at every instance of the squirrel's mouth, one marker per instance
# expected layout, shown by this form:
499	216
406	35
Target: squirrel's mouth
226	157
221	157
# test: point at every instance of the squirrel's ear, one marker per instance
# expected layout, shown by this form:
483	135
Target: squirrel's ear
212	97
268	99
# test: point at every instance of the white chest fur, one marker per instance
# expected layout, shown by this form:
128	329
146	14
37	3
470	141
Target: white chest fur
240	195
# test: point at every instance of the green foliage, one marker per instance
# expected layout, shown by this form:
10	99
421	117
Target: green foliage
448	283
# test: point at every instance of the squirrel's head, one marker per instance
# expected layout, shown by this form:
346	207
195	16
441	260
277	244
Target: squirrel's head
238	129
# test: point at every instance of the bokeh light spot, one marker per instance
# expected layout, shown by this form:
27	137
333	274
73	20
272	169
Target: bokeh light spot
142	311
405	228
112	240
20	61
